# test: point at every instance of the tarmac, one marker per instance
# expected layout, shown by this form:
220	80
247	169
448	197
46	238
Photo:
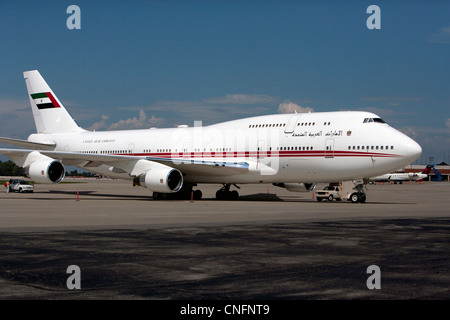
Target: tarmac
270	244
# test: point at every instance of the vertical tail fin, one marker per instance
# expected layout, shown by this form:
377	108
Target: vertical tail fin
427	170
49	114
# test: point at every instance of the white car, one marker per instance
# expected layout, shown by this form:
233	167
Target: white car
20	186
329	193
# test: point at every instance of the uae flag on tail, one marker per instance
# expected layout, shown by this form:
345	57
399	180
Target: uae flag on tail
45	100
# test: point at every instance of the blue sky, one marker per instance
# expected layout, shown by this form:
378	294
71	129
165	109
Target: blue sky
138	64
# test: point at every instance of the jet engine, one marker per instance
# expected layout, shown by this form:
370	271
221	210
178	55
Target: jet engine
297	187
163	179
46	171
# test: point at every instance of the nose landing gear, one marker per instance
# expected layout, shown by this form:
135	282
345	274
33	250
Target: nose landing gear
360	195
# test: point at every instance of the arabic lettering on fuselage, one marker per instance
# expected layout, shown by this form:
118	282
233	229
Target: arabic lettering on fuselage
333	133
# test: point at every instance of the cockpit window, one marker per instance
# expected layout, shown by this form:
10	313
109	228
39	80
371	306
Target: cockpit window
378	120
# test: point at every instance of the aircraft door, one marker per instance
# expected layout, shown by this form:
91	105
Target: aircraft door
261	150
329	148
265	162
290	126
187	150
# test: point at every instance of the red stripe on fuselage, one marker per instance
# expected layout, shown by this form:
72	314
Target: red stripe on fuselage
283	154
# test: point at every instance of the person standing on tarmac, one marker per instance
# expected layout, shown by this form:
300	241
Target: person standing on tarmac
7	186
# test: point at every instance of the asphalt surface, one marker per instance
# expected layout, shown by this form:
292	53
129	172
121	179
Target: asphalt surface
270	244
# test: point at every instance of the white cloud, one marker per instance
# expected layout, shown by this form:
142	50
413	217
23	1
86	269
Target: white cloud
289	107
99	124
442	36
208	111
137	123
156	121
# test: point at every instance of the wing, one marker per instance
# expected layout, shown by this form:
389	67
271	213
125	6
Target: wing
203	167
133	165
28	144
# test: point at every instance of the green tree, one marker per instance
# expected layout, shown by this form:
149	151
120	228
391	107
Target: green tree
9	168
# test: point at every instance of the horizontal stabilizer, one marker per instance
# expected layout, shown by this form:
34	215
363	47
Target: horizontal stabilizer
27	144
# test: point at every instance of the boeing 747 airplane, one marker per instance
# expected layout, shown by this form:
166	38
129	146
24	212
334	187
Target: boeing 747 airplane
294	151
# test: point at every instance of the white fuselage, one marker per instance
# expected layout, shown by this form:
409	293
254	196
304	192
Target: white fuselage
306	147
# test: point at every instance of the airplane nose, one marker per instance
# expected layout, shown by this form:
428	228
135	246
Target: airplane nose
413	150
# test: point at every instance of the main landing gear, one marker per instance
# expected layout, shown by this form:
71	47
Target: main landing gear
225	194
186	193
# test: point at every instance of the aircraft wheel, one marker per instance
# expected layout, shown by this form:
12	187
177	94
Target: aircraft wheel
197	195
220	194
354	198
234	195
362	198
